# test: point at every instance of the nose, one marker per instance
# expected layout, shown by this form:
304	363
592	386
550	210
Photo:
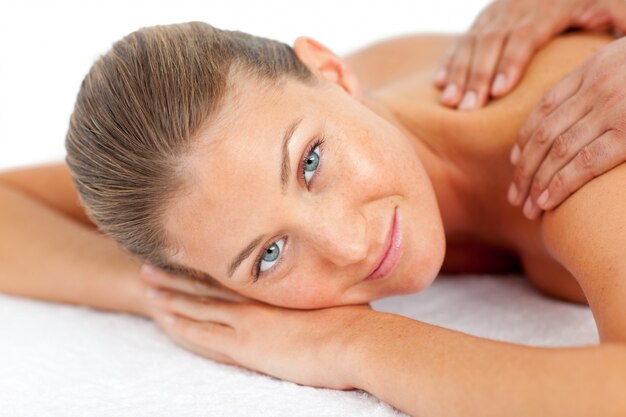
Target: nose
338	231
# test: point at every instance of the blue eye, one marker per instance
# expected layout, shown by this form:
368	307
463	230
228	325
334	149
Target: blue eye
310	164
271	254
311	160
270	257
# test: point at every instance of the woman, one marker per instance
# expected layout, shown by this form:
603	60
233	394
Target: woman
287	179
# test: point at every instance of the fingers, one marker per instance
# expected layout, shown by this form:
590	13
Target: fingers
486	53
489	61
457	72
197	308
491	58
564	90
186	284
563	150
576	133
529	34
540	142
602	154
602	15
442	74
200	324
520	45
442	77
209	340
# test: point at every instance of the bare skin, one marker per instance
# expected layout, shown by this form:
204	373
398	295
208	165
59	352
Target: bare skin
503	236
428	369
561	136
501	246
492	56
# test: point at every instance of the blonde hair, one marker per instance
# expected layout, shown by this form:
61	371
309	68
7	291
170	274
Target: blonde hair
135	117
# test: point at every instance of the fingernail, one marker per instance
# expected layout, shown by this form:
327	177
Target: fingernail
515	154
543	199
499	84
441	76
152	293
528	207
169	319
469	101
512	195
148	270
535	213
450	92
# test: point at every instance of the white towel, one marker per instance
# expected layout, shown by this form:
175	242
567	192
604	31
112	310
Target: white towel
60	360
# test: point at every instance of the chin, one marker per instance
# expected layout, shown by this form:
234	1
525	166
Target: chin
421	270
407	282
416	284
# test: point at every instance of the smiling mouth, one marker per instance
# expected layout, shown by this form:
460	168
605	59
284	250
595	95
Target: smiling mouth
389	259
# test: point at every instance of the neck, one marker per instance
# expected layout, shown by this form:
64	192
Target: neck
451	186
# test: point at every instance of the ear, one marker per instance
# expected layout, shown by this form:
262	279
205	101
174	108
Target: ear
326	65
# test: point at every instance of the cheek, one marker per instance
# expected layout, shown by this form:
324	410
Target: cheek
297	291
428	253
422	226
424	239
391	161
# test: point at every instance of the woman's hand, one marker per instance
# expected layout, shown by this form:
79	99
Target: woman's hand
575	133
310	347
490	59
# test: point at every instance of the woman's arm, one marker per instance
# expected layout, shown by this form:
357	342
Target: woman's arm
421	369
427	370
430	371
50	250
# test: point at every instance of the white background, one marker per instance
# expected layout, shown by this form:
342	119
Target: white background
47	47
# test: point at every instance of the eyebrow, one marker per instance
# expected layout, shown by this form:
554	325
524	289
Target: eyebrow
285	171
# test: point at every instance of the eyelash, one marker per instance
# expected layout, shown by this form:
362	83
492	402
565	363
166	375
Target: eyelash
318	142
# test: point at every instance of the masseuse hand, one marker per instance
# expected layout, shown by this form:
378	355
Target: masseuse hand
304	346
575	133
489	60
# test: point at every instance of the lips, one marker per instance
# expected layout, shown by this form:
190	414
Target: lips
391	254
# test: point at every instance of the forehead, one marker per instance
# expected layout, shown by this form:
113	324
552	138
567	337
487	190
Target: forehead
232	174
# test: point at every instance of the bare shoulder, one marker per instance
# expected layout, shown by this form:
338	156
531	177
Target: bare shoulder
404	66
390	59
561	55
587	234
549	66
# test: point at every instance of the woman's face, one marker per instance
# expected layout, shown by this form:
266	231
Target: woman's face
314	239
